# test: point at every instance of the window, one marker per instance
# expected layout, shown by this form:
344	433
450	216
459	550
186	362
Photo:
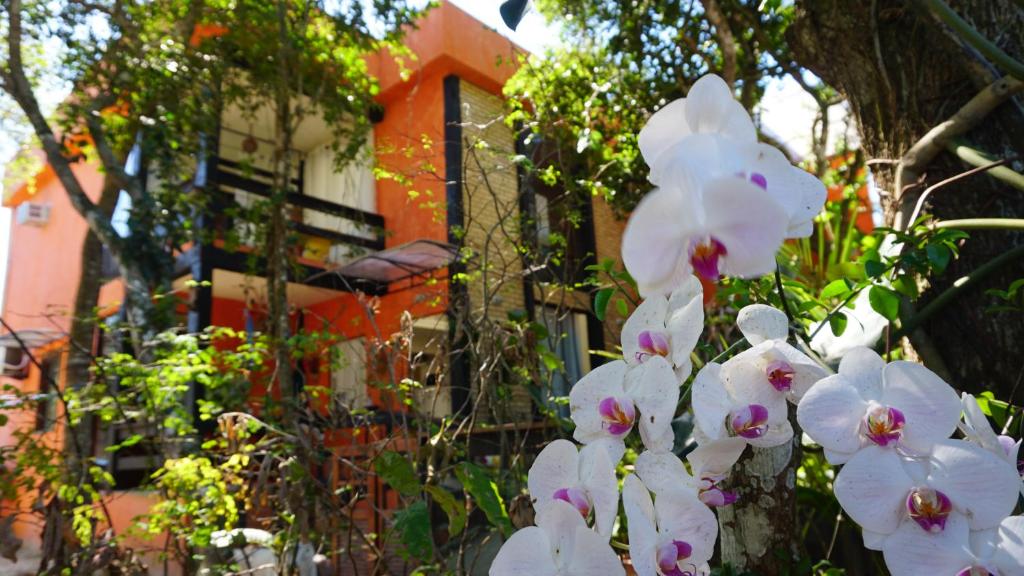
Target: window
567	339
46	401
349	375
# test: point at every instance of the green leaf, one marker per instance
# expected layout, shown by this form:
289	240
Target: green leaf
455	509
884	301
874	268
413	527
484	491
939	256
835	288
838	323
604	295
622	307
397	471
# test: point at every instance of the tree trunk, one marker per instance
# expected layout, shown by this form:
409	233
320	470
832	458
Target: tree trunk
759	532
903	73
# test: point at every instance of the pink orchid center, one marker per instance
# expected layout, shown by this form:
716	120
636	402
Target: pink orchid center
712	495
705	256
576	497
617	415
883	425
755	178
929	508
670	554
780	374
748	422
651	344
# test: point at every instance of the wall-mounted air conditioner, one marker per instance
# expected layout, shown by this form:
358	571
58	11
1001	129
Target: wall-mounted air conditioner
32	213
13	362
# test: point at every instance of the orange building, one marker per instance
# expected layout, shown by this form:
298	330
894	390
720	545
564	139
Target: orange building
360	236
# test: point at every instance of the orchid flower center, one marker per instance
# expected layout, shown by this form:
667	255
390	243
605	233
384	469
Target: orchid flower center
974	571
780	374
712	495
617	414
670	554
651	344
705	256
748	422
756	178
929	508
575	496
883	425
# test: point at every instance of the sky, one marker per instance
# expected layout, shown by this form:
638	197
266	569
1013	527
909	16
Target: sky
786	111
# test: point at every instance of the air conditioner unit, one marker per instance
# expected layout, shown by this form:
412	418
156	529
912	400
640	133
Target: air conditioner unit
13	362
32	213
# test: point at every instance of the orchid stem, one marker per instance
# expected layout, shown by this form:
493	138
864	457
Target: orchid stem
976	39
982	224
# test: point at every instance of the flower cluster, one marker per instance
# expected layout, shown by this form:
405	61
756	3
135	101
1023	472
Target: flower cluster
934	505
723	205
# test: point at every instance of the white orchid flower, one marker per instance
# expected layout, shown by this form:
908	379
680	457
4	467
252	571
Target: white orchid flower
584	478
668	327
559	545
708	134
977	429
673	536
881	489
788	371
664	472
956	551
725	226
899	405
742	407
605	403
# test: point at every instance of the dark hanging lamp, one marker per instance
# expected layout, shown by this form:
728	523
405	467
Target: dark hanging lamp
512	12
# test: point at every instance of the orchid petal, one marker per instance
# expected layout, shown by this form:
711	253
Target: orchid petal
559	521
777	434
664	472
751	235
685	323
597	475
655	391
758	323
1009	553
592	556
930	406
716	457
873	540
744	378
643	533
912	551
978	424
863	368
519	555
872	488
711	403
681	516
711	108
603	382
830	413
980	484
555	468
653	243
806	372
665	127
649	316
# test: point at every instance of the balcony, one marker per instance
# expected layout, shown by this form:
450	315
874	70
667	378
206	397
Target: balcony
329	235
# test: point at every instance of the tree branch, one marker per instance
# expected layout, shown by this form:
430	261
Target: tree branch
17	85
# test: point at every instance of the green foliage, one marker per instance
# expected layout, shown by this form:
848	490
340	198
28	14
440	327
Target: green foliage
478	484
397	471
454	509
413	527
